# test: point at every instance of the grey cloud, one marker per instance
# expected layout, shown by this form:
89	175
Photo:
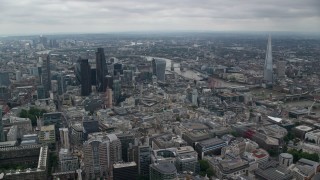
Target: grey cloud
101	15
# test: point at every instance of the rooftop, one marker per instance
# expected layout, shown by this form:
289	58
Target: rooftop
303	128
165	168
211	141
122	165
47	128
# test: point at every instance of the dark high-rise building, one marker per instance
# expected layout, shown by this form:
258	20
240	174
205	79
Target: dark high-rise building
83	73
41	92
159	68
90	125
116	90
125	140
61	84
2	138
109	81
53	43
125	171
46	74
101	70
142	156
5	93
4	79
117	69
127	77
93	76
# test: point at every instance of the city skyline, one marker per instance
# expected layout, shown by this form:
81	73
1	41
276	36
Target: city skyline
57	16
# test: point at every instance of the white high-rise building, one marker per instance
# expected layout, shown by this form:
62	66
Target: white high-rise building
195	97
100	152
268	64
64	138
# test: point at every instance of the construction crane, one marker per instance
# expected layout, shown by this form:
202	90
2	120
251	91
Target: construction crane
310	108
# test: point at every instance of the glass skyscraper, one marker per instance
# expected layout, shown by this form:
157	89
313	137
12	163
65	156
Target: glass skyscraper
268	65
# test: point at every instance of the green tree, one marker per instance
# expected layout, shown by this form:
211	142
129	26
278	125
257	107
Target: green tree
205	169
235	134
210	172
204	165
290	136
33	113
299	154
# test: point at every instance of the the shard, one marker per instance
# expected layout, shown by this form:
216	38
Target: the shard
268	69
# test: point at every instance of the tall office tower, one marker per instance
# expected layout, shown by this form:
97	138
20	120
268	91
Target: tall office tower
195	97
93	76
43	40
2	138
62	86
159	69
100	152
144	159
281	68
115	148
142	156
90	125
163	171
64	138
154	67
101	70
4	79
110	67
116	90
125	140
83	74
117	69
41	92
127	77
268	65
109	98
46	75
109	81
18	75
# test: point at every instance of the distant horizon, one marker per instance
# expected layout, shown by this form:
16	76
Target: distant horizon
29	17
163	32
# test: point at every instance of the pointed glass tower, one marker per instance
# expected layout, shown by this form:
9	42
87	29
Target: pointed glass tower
268	69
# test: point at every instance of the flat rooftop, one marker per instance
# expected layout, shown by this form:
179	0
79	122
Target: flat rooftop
47	128
122	165
211	141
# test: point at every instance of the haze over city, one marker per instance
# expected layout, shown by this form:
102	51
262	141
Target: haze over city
159	90
98	16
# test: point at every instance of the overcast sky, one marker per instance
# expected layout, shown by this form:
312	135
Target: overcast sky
91	16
